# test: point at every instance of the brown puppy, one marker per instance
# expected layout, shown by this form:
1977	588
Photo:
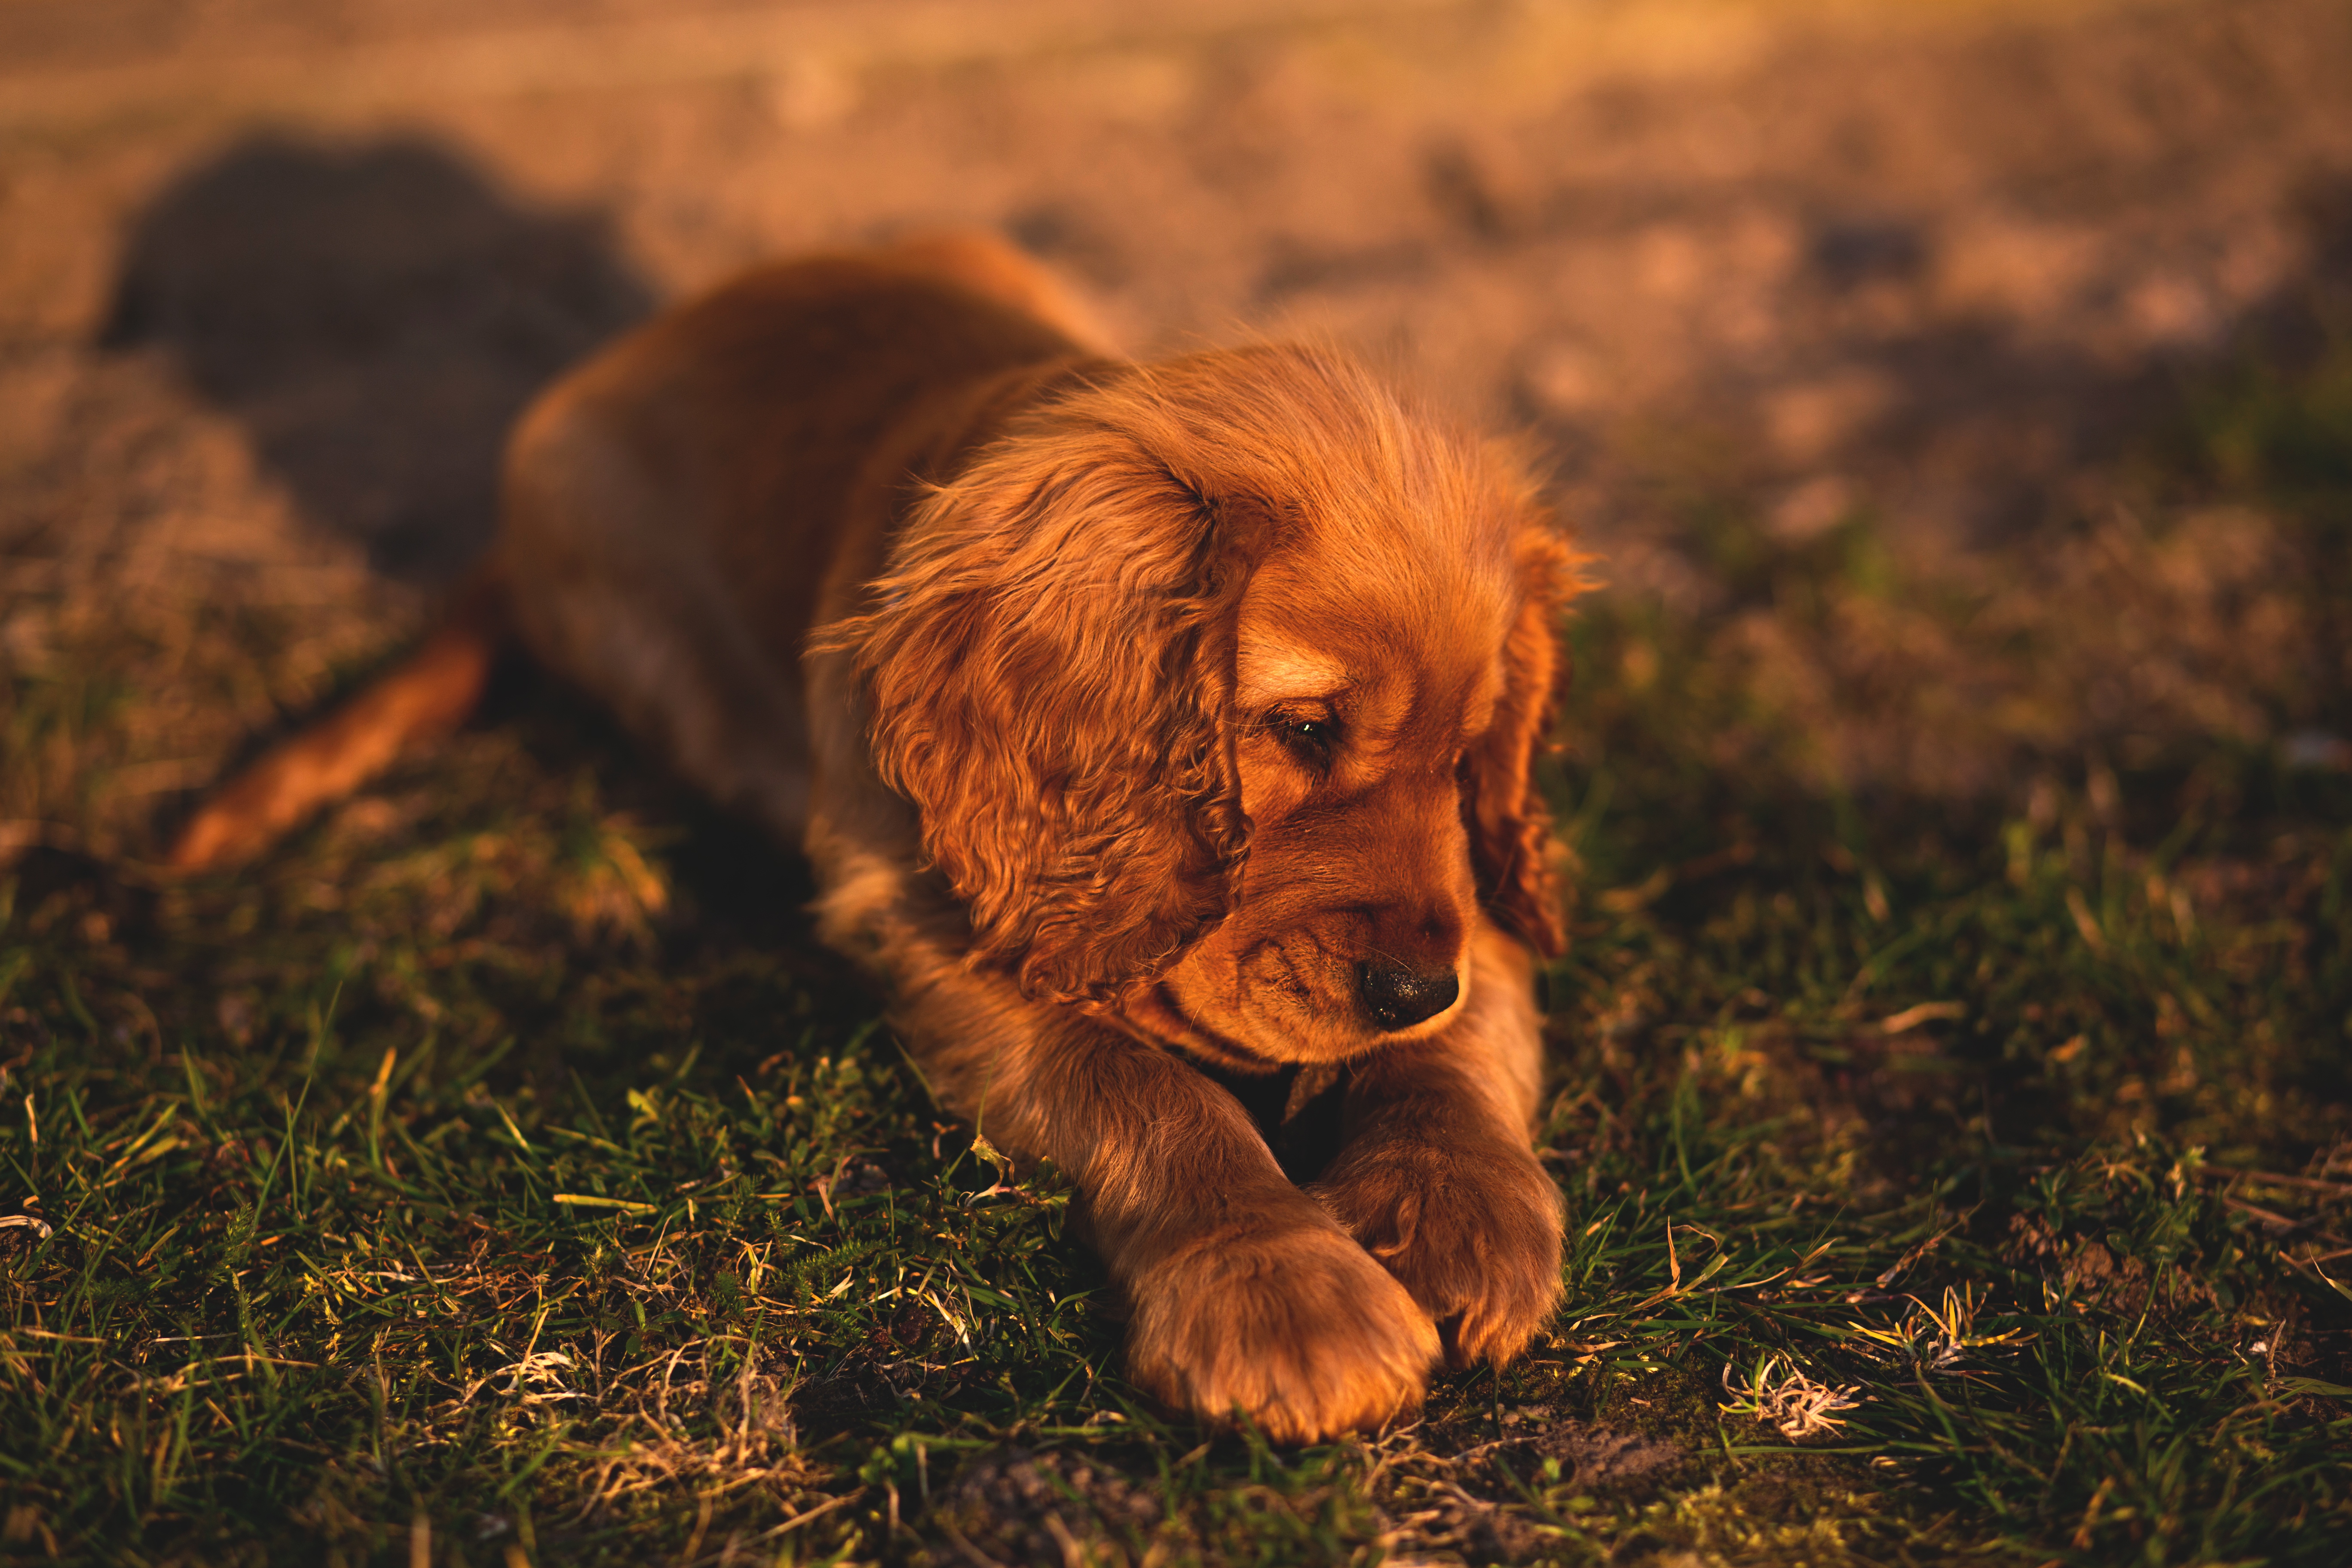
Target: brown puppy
1167	726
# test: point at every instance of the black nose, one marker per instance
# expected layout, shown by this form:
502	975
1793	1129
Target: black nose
1398	998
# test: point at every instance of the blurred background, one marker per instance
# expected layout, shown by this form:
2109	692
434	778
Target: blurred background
1890	355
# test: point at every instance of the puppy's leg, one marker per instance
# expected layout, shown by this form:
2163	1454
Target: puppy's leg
1436	1176
417	701
1245	1295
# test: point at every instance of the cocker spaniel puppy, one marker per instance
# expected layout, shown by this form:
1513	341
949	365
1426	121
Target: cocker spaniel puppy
1161	737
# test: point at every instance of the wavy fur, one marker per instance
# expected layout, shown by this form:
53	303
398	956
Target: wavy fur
1140	720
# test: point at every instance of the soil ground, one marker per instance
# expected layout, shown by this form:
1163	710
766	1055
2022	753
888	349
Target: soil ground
273	277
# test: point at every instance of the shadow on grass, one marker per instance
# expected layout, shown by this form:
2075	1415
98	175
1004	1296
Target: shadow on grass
376	314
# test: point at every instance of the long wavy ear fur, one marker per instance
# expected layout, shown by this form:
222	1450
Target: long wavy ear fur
1049	662
1511	846
1048	656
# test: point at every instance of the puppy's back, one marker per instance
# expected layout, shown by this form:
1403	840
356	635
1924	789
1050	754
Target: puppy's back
678	509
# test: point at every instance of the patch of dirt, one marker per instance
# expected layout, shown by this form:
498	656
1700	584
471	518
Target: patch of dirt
1600	1458
2095	1279
1014	1506
1450	1486
22	1233
1593	1454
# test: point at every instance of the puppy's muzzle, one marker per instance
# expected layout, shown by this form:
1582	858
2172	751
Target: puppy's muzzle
1396	997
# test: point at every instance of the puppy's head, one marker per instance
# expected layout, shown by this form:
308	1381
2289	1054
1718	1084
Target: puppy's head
1217	685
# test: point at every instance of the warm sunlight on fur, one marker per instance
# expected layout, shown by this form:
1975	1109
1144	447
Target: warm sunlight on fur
1162	722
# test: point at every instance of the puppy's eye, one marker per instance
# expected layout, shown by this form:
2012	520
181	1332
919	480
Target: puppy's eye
1310	740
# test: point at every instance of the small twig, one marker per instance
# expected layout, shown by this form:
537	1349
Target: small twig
800	1519
2280	1222
2274	1178
1925	1013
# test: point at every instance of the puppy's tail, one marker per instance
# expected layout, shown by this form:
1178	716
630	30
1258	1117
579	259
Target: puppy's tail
416	702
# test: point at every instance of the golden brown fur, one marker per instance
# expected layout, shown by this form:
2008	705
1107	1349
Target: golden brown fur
1140	720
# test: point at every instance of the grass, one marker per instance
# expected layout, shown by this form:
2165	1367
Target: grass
1949	1097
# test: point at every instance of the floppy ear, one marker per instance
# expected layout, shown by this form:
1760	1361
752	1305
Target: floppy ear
1049	664
1511	846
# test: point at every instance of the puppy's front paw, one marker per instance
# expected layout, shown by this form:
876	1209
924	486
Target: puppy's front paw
1297	1328
1473	1231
